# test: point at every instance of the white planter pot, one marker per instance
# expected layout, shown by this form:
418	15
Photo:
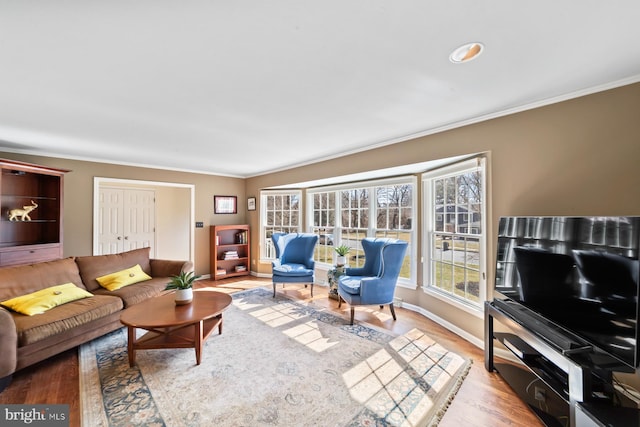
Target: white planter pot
341	260
184	296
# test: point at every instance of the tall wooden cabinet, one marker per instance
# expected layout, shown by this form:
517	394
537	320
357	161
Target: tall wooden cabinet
229	251
33	233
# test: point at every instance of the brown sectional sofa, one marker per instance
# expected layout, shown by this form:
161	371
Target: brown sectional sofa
25	340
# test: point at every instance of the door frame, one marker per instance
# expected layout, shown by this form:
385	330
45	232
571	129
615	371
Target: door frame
98	181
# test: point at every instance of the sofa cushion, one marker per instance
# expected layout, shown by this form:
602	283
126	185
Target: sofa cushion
64	318
45	299
25	279
122	278
92	267
138	292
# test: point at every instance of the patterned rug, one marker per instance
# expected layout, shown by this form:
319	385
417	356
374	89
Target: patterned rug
277	363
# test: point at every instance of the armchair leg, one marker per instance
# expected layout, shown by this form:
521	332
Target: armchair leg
274	290
352	314
312	290
393	311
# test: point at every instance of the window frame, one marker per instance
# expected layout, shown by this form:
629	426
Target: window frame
428	228
371	230
323	238
264	258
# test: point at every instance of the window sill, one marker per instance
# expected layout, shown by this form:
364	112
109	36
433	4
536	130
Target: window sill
406	284
467	308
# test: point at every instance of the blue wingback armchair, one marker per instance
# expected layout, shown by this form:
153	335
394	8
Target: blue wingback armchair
294	259
375	282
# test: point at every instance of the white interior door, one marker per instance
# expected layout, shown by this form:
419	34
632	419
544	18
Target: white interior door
126	220
110	214
139	220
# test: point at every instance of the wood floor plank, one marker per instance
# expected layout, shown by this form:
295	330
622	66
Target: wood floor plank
483	400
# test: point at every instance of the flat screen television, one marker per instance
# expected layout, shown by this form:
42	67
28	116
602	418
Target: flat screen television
580	273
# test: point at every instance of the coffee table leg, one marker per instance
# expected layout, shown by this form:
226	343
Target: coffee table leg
220	325
131	332
198	341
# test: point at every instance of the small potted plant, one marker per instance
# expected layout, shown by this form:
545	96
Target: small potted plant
183	284
342	251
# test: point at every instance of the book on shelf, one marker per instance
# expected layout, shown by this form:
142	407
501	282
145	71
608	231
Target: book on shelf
240	268
230	255
241	237
220	271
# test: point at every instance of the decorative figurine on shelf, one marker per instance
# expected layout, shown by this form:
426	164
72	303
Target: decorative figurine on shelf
23	213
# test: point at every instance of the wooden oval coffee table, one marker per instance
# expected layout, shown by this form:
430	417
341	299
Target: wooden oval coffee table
174	326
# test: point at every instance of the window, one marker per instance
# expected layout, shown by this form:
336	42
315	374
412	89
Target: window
394	218
323	224
354	214
280	213
454	205
345	214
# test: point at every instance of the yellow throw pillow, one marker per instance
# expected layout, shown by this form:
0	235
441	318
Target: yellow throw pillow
123	278
40	301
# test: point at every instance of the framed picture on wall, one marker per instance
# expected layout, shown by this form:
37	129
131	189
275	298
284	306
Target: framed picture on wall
225	204
251	204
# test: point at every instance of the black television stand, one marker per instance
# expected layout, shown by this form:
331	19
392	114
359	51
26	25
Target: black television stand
551	372
583	349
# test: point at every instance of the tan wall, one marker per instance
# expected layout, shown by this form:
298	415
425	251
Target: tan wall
578	157
78	201
173	222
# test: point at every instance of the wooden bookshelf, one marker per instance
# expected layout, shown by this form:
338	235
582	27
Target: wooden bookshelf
229	249
37	236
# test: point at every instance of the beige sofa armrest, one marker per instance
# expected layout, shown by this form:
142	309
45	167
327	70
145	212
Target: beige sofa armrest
8	344
166	268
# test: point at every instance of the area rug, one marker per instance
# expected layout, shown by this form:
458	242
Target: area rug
277	363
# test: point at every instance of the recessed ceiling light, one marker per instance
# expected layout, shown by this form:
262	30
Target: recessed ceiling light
466	53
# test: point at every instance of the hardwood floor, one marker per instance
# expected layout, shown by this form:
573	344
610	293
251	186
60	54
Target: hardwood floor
483	400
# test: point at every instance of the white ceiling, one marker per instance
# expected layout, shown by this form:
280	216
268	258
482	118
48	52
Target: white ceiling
246	87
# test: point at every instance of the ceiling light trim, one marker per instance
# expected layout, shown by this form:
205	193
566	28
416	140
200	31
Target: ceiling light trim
467	52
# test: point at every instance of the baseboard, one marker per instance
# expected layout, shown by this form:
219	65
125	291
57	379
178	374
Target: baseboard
502	353
445	324
261	275
251	273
